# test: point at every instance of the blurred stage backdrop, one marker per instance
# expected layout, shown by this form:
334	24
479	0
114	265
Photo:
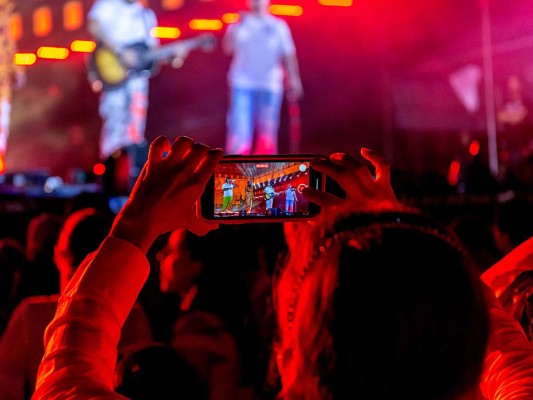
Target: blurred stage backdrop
408	78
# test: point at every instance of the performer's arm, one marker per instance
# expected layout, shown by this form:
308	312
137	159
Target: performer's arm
228	41
294	81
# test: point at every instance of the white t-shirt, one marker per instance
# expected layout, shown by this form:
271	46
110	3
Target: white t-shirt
290	194
124	23
228	189
259	43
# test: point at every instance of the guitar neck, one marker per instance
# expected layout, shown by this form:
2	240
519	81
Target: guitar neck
167	50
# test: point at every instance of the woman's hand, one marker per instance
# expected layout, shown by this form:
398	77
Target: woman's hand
364	192
165	194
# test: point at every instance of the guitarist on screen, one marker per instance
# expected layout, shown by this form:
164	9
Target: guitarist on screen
118	24
270	193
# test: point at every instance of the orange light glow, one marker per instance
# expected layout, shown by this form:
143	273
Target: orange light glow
24	58
172	4
73	15
474	148
52	53
99	169
2	165
163	32
42	21
206	24
288	11
82	46
15	26
230	18
336	3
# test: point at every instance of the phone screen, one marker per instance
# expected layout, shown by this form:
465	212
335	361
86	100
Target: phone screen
260	190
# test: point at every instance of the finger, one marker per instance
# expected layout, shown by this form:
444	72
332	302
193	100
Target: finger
379	163
180	147
207	167
195	157
159	146
323	199
347	175
201	228
357	170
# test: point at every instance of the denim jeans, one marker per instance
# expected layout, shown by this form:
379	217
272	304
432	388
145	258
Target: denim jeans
253	111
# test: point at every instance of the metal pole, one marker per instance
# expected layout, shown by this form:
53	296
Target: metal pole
488	75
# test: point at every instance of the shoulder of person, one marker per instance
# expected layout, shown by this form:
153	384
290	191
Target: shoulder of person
277	21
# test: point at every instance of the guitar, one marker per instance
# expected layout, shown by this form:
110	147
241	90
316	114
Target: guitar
268	196
105	66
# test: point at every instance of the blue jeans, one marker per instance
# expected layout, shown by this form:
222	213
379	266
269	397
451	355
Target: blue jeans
253	111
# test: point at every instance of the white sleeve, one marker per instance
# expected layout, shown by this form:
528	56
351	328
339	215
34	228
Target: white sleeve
101	11
151	21
287	42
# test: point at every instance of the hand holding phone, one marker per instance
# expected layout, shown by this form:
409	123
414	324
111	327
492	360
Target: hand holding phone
258	188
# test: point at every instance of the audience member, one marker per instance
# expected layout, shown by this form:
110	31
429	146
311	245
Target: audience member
511	278
475	232
214	309
41	237
512	223
13	265
422	327
150	371
414	290
21	347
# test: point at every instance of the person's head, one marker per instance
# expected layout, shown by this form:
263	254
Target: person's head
13	263
179	267
258	6
512	224
384	304
157	371
81	234
41	236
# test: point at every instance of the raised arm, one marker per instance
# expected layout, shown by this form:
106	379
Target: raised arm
81	341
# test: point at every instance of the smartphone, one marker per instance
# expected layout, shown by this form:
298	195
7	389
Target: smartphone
261	189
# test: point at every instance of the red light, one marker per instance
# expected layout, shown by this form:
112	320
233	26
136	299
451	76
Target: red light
474	148
99	169
453	173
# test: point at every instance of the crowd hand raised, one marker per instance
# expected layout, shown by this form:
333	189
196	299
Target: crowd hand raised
166	191
364	192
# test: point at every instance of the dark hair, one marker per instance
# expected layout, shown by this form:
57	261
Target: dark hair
385	304
514	217
157	371
83	232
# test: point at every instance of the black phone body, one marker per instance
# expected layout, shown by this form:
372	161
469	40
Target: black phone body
261	188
